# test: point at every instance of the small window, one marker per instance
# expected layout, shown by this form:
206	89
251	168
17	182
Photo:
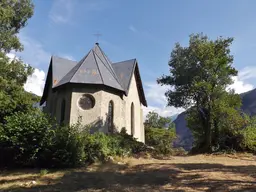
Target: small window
86	102
63	106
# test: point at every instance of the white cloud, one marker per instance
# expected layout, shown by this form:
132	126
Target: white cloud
61	11
35	82
132	28
34	53
240	86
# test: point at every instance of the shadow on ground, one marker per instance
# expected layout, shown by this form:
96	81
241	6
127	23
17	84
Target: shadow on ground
151	177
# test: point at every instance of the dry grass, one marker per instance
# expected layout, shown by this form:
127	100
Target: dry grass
189	173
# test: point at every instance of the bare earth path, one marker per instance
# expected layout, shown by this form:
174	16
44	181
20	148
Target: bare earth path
189	173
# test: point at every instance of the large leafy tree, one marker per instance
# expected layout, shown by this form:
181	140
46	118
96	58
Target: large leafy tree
14	15
199	76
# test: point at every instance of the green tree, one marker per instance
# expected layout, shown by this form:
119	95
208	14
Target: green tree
199	76
154	120
13	72
13	17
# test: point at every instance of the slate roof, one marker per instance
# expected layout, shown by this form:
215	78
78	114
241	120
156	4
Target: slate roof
124	72
93	68
60	68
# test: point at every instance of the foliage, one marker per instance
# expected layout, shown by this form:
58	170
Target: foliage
65	148
161	139
22	137
200	75
13	72
249	135
13	17
32	139
154	120
99	146
13	98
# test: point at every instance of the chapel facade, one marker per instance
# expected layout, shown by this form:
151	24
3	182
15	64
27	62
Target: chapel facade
104	95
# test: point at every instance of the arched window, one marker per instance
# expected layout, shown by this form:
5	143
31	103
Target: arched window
132	119
63	108
111	117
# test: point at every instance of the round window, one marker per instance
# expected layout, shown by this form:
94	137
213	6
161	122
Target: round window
86	102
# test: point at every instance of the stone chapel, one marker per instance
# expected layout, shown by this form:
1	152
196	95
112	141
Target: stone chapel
108	96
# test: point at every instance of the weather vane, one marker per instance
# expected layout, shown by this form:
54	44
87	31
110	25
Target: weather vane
97	35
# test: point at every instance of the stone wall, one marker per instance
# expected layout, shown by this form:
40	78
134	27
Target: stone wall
98	114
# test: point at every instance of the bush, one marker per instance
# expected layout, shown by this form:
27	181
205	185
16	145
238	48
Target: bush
22	137
161	139
65	148
249	135
99	146
33	140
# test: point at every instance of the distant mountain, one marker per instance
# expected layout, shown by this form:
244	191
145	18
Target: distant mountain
173	117
185	138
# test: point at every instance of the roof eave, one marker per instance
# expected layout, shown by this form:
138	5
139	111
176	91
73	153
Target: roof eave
45	92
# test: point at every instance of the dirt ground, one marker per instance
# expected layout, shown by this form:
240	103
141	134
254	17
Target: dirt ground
189	173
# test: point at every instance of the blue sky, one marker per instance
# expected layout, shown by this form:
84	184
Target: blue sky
146	30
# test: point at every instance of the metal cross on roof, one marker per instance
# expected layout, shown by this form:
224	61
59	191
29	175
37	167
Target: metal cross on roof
97	35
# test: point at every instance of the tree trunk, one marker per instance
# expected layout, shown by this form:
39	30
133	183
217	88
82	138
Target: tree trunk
208	135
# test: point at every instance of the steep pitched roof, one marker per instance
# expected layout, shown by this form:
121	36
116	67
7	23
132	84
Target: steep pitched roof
124	71
94	68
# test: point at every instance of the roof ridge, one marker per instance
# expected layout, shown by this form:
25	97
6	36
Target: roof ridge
98	66
111	70
78	64
82	61
132	72
103	62
124	61
107	60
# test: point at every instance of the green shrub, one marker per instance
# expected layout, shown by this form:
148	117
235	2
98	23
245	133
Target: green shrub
96	147
65	148
33	140
249	135
22	137
99	146
161	139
